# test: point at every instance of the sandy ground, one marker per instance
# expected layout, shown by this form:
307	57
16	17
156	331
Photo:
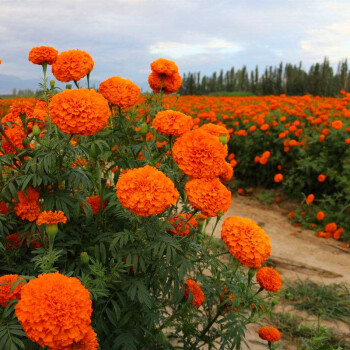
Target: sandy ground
296	253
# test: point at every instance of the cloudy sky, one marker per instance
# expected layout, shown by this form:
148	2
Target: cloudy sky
124	36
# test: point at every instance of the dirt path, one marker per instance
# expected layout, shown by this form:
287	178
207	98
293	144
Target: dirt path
297	253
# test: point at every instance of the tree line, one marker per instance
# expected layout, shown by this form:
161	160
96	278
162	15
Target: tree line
291	79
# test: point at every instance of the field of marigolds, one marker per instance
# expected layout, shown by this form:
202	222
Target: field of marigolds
110	200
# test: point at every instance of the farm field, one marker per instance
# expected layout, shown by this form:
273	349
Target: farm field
161	221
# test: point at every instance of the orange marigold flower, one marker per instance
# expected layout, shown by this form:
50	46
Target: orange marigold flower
208	196
13	241
169	83
278	177
164	66
80	111
120	92
15	137
54	310
337	124
3	207
321	178
146	191
182	224
172	123
95	204
72	65
197	293
270	334
199	154
269	279
89	342
347	141
310	198
227	174
331	227
43	54
5	289
246	241
28	207
215	130
51	217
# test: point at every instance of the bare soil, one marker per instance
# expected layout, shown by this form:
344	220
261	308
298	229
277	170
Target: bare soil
296	253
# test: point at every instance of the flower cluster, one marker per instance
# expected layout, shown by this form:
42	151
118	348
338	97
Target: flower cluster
246	241
146	191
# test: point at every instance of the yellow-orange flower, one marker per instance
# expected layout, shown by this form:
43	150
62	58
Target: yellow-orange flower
72	65
215	130
80	112
270	334
28	207
51	217
337	124
199	154
43	54
120	92
320	216
227	173
169	83
89	342
197	293
269	279
208	196
172	123
278	178
310	198
54	310
182	224
95	204
6	284
321	178
164	66
15	137
246	241
146	191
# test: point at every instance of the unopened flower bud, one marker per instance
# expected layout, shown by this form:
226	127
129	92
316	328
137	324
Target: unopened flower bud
52	84
84	258
144	128
51	230
36	130
69	86
223	139
220	214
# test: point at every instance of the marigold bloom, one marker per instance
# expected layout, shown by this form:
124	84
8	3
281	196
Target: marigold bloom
278	178
16	137
172	123
72	65
199	154
146	191
321	178
89	342
246	241
320	216
270	334
51	217
169	84
182	224
227	174
5	289
120	92
208	196
13	241
95	204
28	207
269	279
215	130
54	310
337	124
3	207
43	54
80	112
197	293
310	198
331	227
227	299
164	66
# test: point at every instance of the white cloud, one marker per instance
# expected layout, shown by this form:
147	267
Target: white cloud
175	49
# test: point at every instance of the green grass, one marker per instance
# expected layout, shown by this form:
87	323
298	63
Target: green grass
308	337
267	197
330	301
